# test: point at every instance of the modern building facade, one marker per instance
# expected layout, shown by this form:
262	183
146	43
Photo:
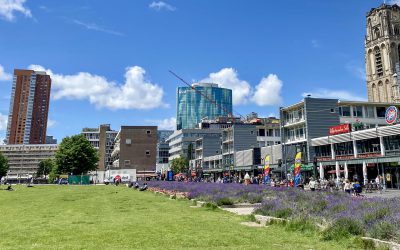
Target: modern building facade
366	154
163	150
313	117
29	107
180	140
23	160
135	152
50	139
237	138
202	100
102	139
382	53
269	132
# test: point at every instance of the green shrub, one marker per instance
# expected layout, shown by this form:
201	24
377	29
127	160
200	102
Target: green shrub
301	224
255	199
319	206
342	228
210	206
224	201
361	243
376	215
283	213
384	231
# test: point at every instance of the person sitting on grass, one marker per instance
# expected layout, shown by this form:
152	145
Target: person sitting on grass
144	188
136	185
9	188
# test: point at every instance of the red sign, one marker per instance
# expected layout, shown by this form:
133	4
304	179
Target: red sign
343	128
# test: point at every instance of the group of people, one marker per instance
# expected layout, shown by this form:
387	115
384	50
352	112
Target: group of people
136	186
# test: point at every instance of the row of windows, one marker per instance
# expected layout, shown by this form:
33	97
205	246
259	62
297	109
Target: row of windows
362	111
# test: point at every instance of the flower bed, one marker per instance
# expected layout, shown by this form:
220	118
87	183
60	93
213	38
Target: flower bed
335	214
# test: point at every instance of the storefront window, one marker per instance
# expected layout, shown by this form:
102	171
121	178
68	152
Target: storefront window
357	111
344	148
380	112
323	151
392	143
344	111
368	146
370	112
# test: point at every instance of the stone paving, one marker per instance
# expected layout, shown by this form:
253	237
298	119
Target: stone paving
388	193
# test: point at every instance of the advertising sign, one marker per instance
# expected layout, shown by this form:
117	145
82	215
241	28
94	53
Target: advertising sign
297	168
391	115
266	169
340	129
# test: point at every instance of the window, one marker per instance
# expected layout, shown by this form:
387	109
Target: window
147	152
128	141
127	162
378	62
370	112
252	132
344	111
357	111
380	112
148	132
261	132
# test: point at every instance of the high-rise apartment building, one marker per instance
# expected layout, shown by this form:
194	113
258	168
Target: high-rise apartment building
202	100
102	139
29	107
382	53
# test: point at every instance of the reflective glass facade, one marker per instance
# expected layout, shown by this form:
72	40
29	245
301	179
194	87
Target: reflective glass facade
193	106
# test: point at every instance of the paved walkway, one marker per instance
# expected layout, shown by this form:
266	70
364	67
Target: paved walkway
388	193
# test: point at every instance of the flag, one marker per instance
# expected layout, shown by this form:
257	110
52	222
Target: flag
266	169
297	168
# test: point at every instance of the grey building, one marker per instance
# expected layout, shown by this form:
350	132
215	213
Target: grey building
23	160
162	150
50	139
207	145
237	138
303	121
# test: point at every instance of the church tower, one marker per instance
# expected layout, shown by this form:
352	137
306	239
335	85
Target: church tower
382	53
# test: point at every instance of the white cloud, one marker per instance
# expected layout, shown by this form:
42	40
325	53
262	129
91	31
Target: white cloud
136	93
9	7
4	76
51	123
3	127
335	94
228	78
160	5
167	124
394	2
93	26
3	122
268	91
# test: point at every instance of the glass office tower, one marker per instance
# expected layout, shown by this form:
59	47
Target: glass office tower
192	105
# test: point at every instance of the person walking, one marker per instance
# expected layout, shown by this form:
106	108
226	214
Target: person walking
247	179
378	183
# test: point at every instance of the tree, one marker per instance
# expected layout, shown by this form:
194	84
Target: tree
45	167
3	165
76	155
180	165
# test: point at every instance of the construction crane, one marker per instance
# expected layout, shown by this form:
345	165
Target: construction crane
205	96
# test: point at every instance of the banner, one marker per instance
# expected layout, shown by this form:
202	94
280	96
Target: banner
266	169
297	168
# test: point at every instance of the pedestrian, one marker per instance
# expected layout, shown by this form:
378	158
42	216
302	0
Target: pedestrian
378	183
312	184
347	186
247	179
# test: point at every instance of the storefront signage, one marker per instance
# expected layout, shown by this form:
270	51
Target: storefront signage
340	129
391	115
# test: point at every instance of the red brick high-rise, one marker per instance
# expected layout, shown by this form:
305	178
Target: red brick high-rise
29	107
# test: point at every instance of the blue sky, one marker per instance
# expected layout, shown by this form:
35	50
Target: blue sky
109	60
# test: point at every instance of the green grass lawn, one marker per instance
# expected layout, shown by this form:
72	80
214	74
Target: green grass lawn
108	217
